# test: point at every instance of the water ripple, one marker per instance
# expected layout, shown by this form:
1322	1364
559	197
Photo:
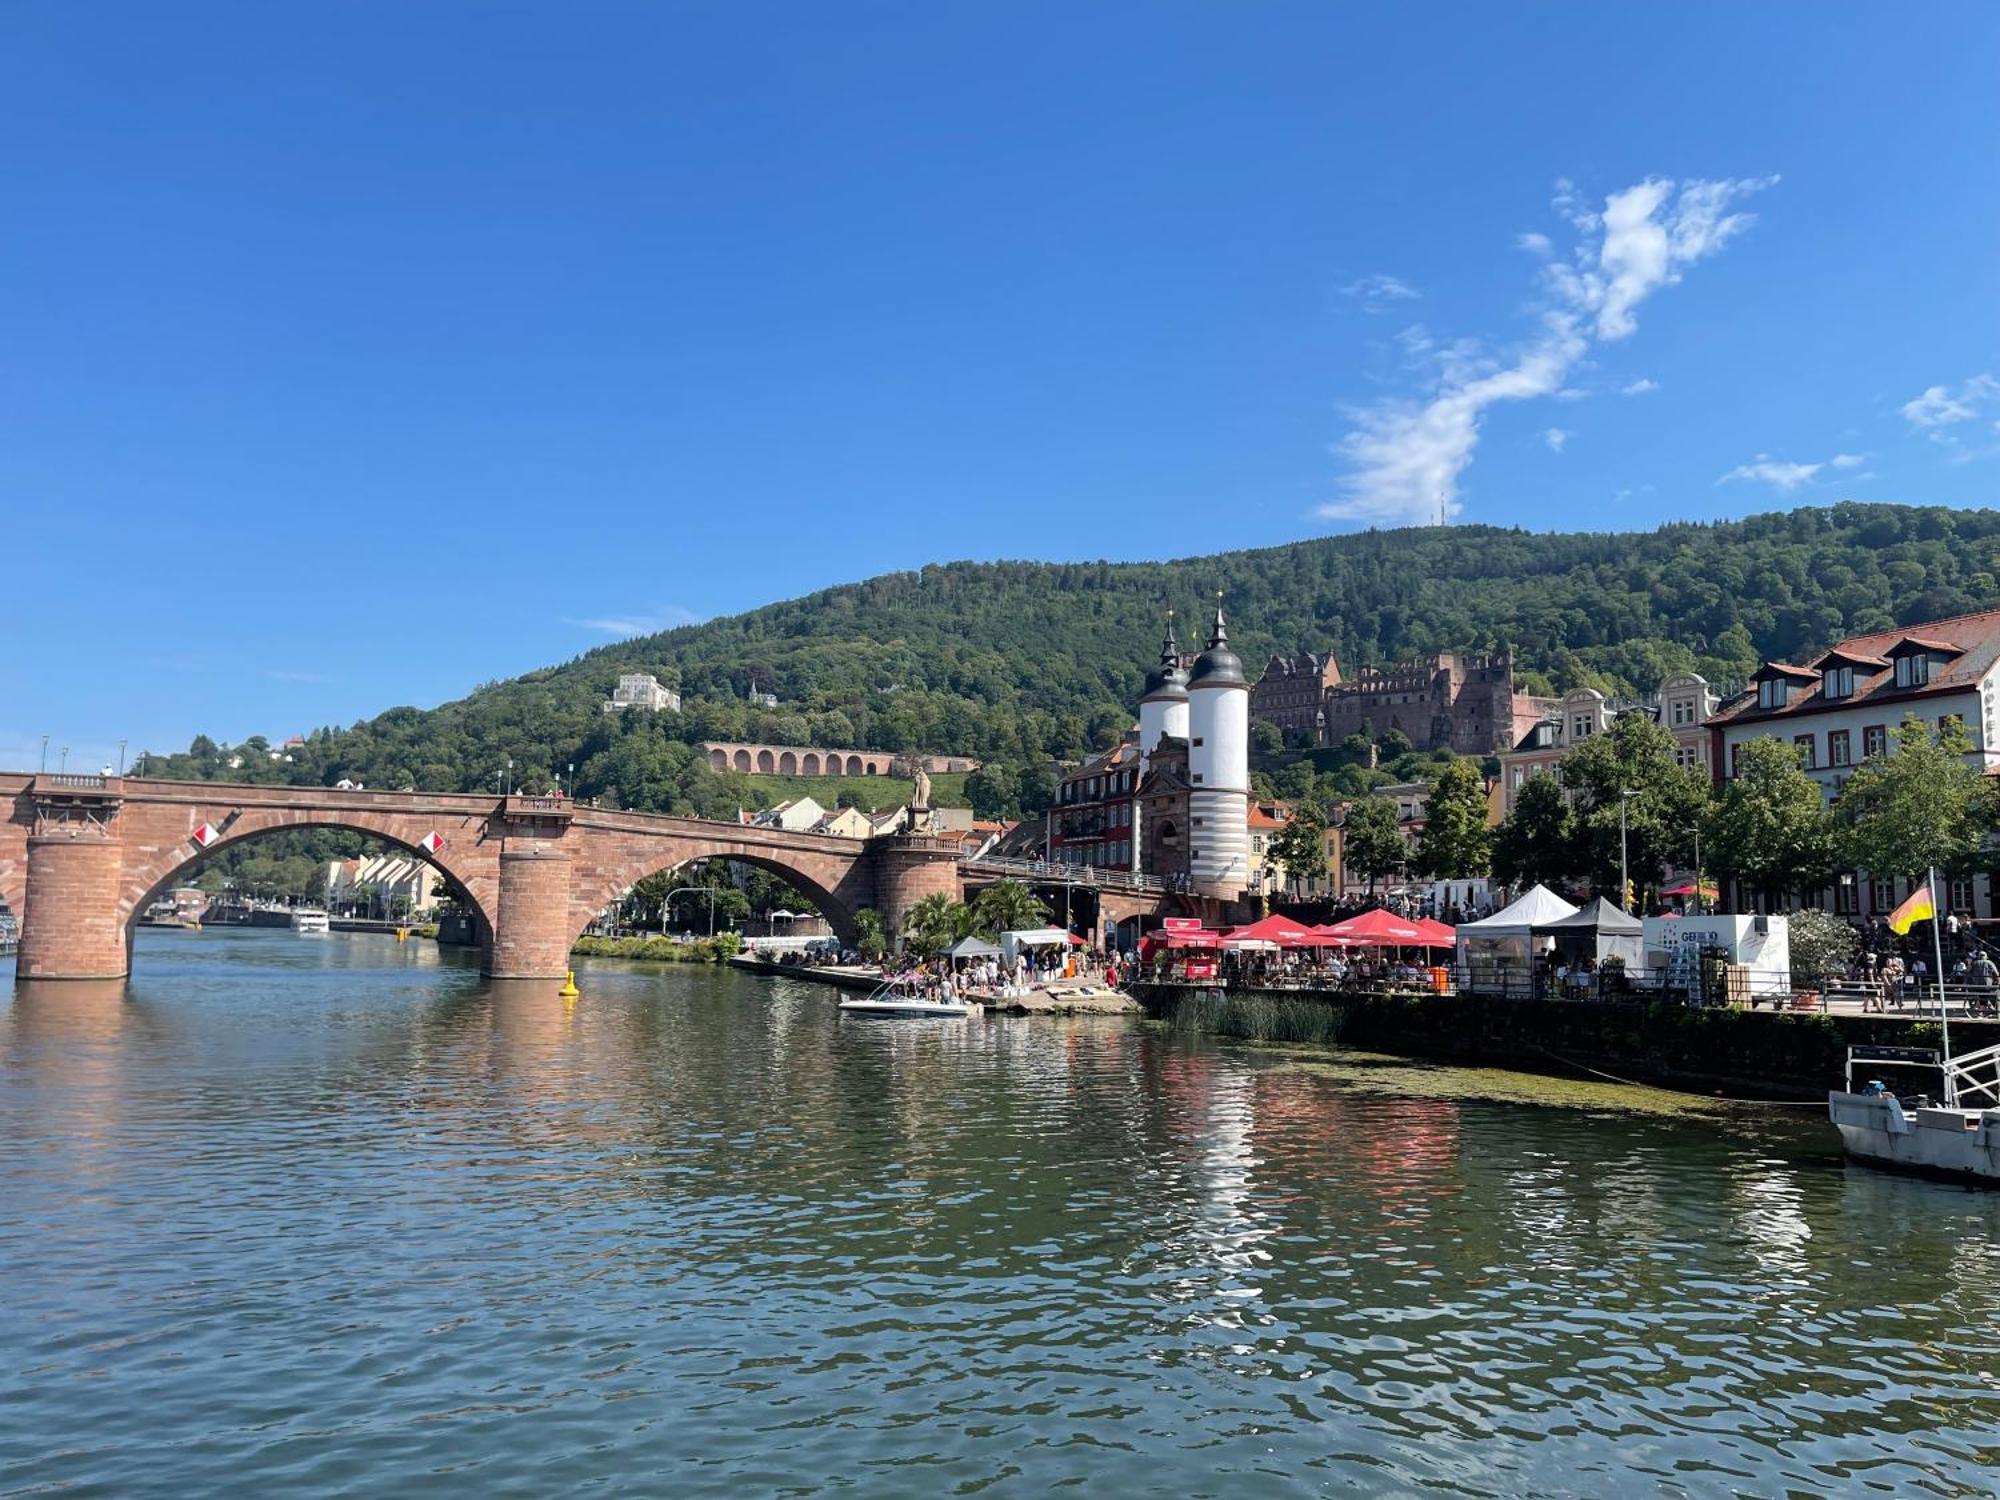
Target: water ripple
335	1217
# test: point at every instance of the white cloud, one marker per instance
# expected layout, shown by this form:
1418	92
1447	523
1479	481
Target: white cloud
1784	476
1378	292
1644	386
626	626
1534	244
1405	455
1940	406
1555	437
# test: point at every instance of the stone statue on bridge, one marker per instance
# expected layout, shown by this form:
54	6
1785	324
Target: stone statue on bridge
912	767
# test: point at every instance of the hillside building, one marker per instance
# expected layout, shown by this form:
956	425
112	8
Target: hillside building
1446	701
642	690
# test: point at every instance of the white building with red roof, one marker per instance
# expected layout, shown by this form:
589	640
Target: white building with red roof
1845	704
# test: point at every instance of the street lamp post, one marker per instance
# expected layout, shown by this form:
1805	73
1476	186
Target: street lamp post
121	757
1624	868
62	765
1697	869
689	890
45	752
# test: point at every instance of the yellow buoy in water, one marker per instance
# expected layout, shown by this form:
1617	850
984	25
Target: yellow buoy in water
569	991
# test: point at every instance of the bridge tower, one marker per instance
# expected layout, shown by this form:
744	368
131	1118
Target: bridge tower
1219	767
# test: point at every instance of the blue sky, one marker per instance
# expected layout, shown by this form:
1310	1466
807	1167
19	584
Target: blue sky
355	354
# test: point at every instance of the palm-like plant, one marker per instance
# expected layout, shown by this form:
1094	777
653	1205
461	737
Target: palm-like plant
937	922
1008	906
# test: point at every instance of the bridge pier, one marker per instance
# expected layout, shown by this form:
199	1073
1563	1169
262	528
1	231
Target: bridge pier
531	924
909	867
72	928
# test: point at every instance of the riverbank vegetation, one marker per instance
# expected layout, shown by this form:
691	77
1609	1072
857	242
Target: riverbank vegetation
661	950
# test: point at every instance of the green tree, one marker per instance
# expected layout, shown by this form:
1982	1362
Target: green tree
1299	848
1267	741
1008	906
870	940
1771	828
994	791
1536	845
1922	806
1822	946
1666	802
1456	843
1371	841
936	922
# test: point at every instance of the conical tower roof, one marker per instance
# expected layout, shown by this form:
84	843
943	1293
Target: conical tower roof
1167	680
1218	666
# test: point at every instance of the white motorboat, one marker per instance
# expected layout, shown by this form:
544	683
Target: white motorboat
890	1001
306	919
1958	1138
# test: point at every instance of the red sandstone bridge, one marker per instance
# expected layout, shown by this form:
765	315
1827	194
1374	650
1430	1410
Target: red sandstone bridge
81	858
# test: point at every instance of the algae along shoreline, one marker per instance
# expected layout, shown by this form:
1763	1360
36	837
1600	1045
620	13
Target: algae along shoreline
1658	1044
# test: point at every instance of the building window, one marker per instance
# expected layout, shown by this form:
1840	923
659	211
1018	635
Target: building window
1846	897
1771	693
1579	729
1912	671
1736	759
1960	896
1874	740
1803	743
1683	712
1837	747
1881	896
1837	682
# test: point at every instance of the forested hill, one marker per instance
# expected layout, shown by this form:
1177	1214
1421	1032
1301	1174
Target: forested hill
1018	662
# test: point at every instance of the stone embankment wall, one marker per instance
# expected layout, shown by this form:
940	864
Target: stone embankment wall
1675	1046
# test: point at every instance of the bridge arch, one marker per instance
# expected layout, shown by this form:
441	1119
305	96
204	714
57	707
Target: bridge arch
809	764
838	885
719	759
742	760
788	764
765	764
154	872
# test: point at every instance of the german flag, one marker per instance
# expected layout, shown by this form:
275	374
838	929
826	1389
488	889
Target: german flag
1917	909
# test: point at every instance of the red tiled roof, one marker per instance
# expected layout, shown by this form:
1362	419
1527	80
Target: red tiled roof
1974	648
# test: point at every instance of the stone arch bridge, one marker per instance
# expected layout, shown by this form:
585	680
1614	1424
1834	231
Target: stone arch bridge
81	857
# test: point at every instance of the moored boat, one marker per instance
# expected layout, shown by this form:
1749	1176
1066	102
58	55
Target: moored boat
306	919
1958	1138
890	1000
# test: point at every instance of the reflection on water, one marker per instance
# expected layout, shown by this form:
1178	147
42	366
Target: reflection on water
316	1215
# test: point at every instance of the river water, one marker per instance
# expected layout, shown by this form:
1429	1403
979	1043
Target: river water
316	1216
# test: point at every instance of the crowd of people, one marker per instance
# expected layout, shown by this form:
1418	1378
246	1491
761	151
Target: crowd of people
992	976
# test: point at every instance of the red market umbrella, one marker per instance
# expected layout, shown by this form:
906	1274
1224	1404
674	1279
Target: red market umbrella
1436	934
1380	929
1075	940
1283	931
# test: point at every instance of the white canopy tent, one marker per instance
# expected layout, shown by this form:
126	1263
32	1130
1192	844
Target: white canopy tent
1011	943
1506	939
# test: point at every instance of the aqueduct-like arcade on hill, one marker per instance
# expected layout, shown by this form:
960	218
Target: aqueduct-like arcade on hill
81	857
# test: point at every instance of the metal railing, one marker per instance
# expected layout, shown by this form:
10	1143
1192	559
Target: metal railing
1049	870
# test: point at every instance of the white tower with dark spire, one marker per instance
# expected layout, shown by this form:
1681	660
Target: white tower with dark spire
1219	768
1164	708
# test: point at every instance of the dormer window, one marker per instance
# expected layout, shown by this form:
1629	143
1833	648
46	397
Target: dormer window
1771	692
1837	682
1913	670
